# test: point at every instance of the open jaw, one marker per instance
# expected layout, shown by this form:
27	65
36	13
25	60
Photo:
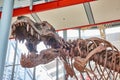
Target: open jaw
25	29
22	29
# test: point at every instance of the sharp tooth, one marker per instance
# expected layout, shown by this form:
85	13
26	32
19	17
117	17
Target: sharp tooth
14	27
27	27
20	23
32	32
23	23
17	25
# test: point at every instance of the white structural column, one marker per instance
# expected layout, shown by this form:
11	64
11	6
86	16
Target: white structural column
4	32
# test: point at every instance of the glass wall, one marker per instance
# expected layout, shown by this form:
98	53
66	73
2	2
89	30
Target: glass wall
13	69
113	35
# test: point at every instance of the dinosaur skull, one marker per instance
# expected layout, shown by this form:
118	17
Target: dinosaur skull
26	29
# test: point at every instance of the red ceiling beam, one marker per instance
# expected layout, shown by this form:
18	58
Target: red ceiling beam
91	25
46	6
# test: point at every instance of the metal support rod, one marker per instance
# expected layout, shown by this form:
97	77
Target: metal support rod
64	73
89	13
57	69
65	34
4	32
79	31
31	4
65	38
15	55
8	55
34	73
46	0
24	74
36	17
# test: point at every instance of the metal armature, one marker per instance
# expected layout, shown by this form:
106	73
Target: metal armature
31	4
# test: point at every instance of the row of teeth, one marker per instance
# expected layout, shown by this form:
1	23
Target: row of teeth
29	56
28	27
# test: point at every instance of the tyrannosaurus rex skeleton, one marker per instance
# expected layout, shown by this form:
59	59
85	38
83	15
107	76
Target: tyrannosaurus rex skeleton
77	54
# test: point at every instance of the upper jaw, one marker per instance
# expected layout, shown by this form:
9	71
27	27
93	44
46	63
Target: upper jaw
26	27
40	32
